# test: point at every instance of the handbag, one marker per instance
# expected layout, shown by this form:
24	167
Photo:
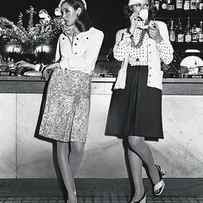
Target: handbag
122	73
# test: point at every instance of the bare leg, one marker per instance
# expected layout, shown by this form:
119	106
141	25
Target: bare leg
139	146
62	155
136	169
75	156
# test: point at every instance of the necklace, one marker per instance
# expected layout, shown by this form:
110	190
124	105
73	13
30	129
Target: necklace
70	32
141	36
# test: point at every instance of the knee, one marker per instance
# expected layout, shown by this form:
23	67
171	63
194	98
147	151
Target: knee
61	150
78	147
134	142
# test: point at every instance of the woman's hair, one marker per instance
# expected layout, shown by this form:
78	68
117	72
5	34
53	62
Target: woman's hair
128	12
83	23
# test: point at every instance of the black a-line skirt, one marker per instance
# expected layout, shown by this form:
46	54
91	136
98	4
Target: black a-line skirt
137	109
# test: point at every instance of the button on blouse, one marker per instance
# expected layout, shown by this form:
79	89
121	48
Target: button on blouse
82	53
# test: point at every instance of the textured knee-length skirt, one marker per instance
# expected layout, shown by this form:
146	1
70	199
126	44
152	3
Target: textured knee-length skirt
136	110
66	110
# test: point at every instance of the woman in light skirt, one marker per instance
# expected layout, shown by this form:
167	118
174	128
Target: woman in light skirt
66	112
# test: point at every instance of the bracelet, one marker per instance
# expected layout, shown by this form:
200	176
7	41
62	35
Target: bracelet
58	65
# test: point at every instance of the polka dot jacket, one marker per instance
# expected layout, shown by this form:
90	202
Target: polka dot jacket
150	53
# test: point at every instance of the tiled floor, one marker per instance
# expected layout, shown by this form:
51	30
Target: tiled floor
96	191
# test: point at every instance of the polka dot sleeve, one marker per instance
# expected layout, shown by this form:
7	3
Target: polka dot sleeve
165	51
122	45
164	47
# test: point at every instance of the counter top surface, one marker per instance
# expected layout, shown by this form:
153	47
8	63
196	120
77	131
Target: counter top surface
99	79
102	85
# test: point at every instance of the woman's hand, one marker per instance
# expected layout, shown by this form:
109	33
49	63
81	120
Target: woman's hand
48	69
133	22
154	33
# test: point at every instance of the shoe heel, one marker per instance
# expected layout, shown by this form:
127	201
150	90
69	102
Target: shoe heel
159	187
142	200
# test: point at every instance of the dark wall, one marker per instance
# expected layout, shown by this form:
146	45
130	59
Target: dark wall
105	14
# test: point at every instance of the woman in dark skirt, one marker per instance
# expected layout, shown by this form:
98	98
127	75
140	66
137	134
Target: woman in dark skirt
135	108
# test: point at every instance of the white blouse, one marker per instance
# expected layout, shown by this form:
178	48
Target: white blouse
82	53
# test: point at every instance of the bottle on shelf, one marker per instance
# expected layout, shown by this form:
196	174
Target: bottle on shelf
164	5
170	5
194	33
201	31
179	4
187	5
188	37
157	5
180	32
172	34
197	4
193	5
201	5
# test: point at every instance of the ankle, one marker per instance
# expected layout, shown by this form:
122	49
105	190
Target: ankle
138	197
155	176
72	197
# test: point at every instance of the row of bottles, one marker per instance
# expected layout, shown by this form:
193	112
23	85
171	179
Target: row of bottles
178	4
191	33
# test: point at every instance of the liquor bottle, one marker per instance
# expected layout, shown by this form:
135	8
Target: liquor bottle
193	5
201	5
157	5
197	3
164	5
201	32
179	4
188	37
187	5
194	33
180	32
172	34
171	5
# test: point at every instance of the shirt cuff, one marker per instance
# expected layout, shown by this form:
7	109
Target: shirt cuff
37	67
63	64
161	44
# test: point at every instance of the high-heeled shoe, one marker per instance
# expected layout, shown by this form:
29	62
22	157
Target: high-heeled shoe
141	199
159	187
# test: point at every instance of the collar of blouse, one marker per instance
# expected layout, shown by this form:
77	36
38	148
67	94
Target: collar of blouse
70	32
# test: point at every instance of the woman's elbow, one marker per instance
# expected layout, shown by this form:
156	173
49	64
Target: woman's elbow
167	60
118	56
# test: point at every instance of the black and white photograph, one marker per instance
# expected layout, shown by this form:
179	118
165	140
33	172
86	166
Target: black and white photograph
101	101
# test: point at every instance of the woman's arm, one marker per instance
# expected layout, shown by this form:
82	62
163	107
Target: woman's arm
63	53
122	45
57	54
164	46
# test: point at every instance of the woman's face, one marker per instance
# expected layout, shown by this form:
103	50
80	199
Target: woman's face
139	6
70	15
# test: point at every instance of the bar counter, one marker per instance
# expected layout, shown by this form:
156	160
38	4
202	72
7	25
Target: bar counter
35	85
24	156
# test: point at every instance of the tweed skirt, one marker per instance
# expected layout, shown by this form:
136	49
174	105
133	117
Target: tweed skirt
137	109
66	109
